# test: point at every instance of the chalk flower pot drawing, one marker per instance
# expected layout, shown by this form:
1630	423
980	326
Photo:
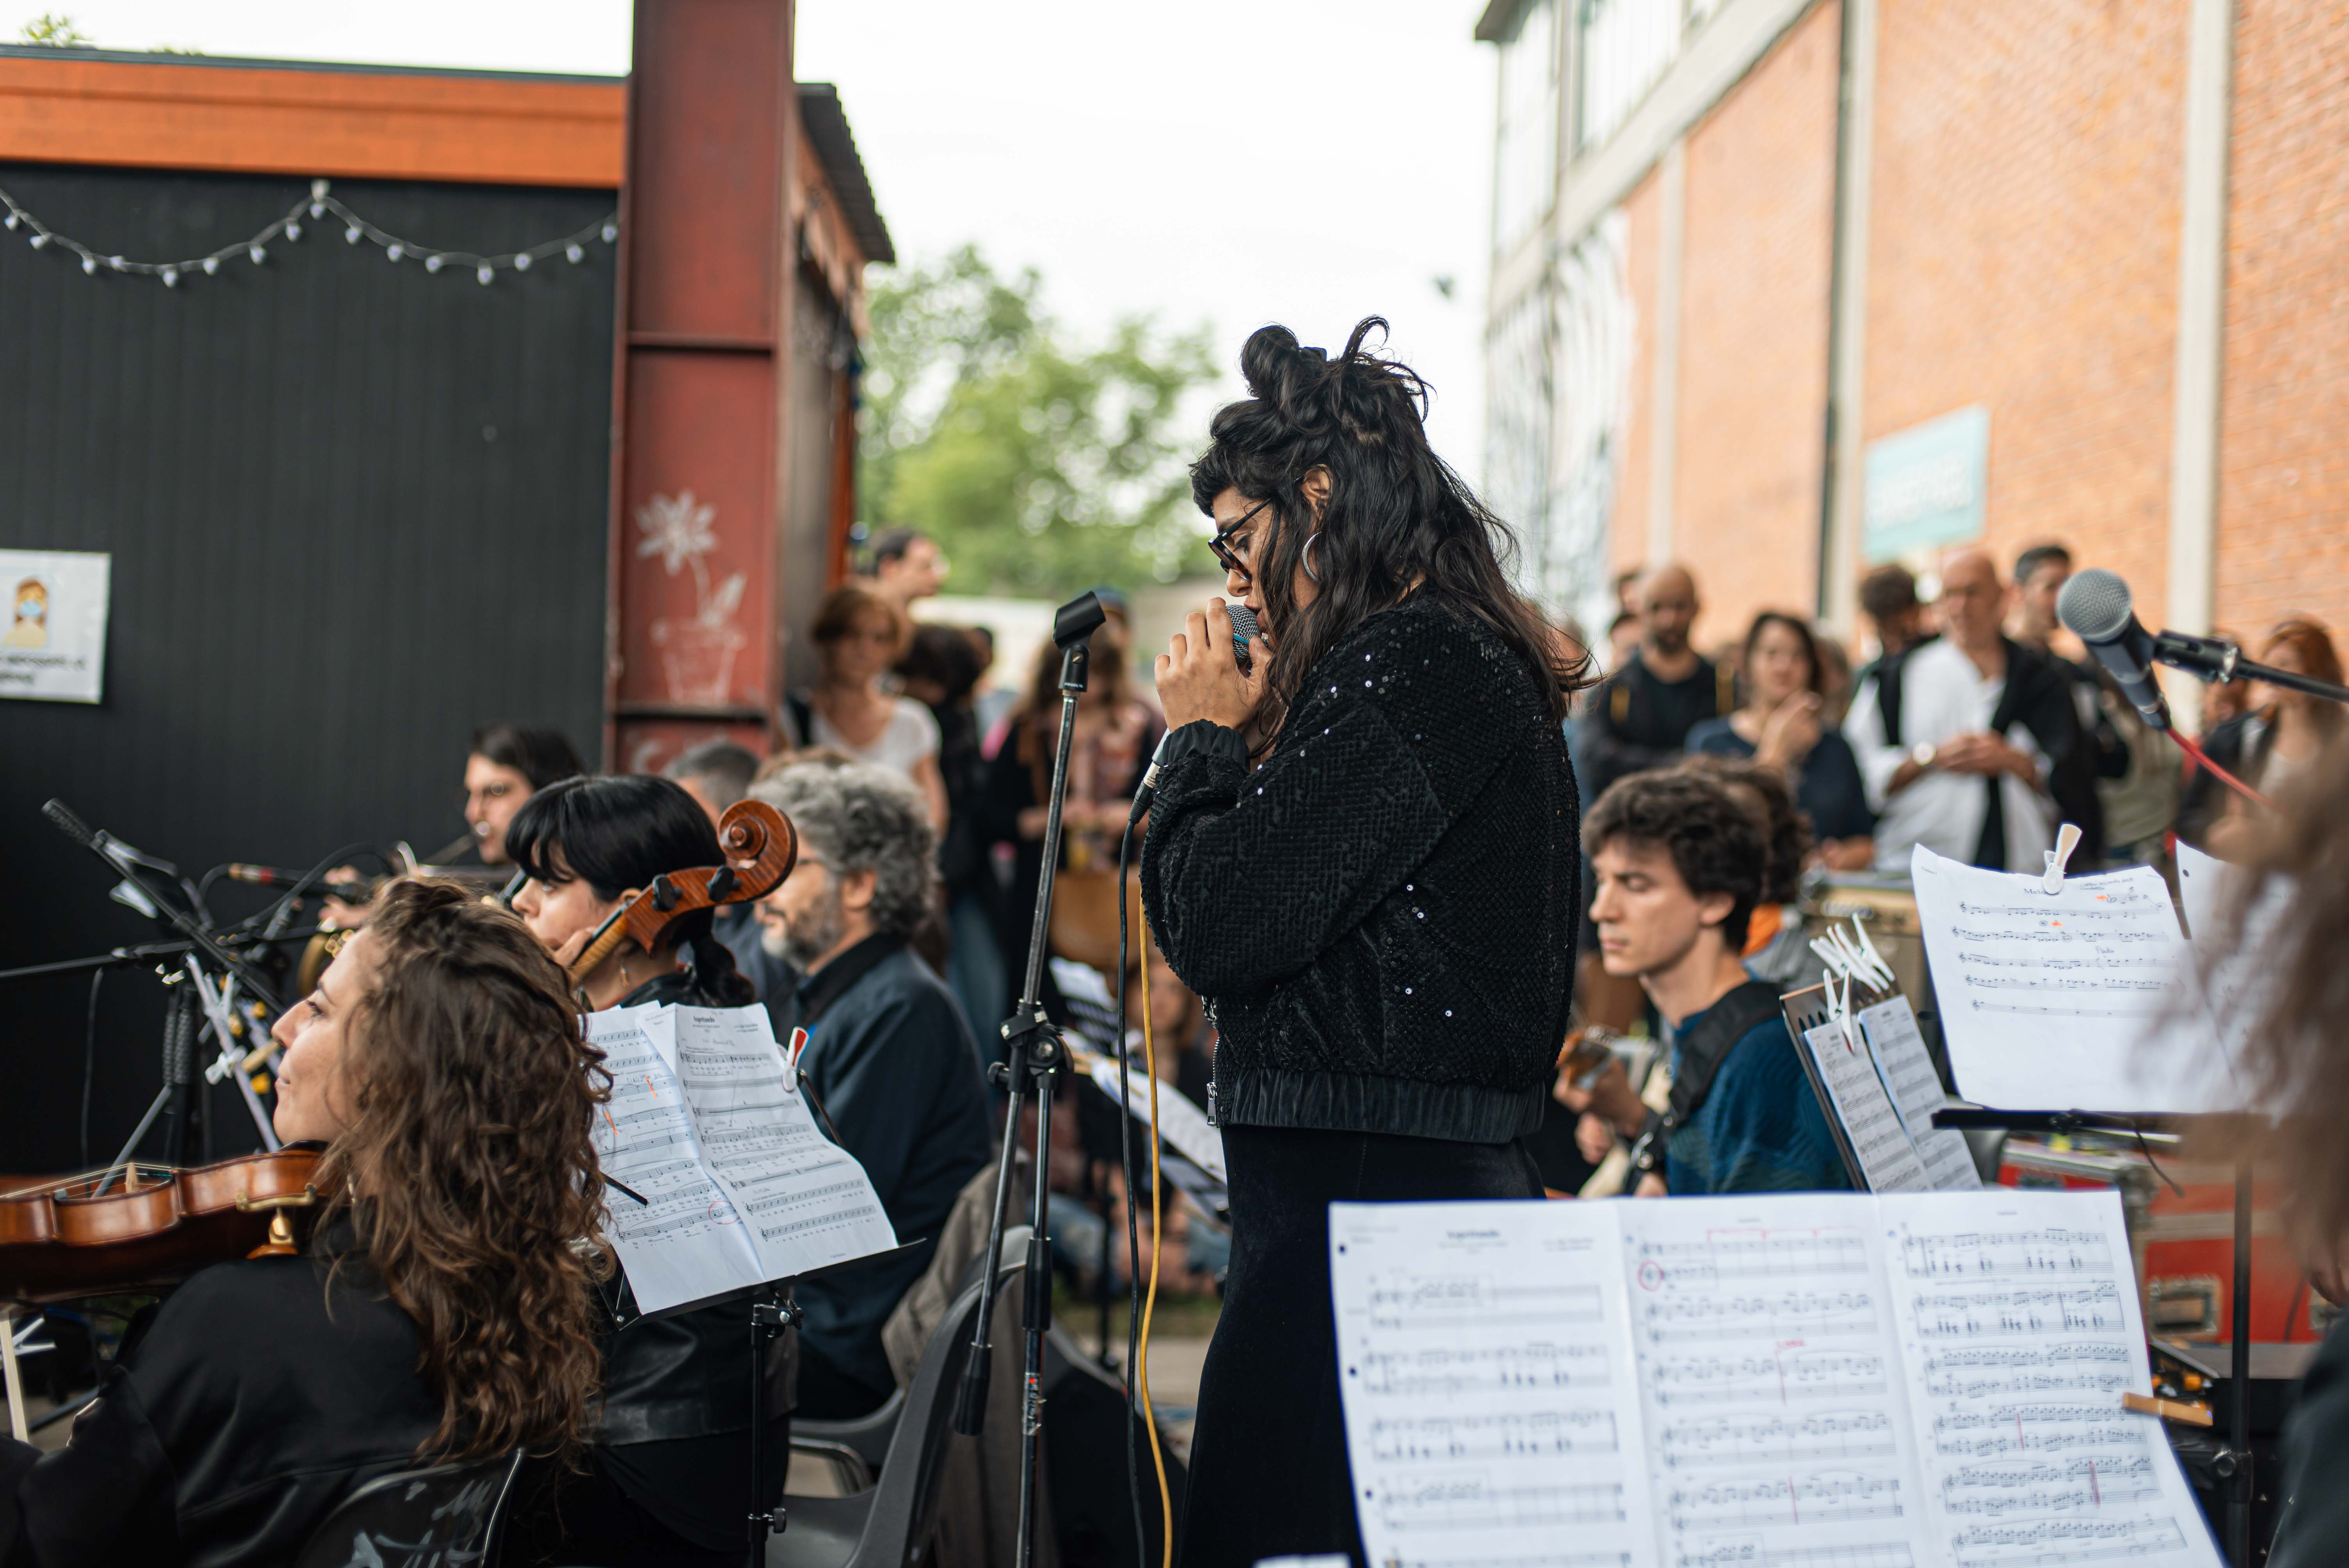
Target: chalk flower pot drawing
697	654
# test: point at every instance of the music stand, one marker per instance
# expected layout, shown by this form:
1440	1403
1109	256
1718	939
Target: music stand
770	1313
2238	1449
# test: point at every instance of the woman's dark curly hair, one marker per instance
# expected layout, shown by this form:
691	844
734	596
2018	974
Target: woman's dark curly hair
471	1171
1786	826
1398	523
1714	842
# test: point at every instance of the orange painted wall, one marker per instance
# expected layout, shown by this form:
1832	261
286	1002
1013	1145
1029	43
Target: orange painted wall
386	125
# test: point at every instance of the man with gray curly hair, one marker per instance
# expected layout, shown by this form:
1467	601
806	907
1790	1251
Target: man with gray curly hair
889	1055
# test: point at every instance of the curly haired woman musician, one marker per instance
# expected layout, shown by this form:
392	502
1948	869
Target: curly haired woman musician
444	1309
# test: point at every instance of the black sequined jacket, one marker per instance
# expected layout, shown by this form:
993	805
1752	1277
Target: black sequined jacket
1383	915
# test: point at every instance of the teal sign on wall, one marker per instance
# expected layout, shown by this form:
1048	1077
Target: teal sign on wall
1925	486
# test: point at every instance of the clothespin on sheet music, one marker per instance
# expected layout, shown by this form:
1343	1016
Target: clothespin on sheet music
1876	960
2067	839
1833	957
1839	1012
791	1059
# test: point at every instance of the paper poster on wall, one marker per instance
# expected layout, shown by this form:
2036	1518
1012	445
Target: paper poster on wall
53	638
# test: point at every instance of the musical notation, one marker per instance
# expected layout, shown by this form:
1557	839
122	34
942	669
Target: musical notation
1780	1376
1419	1302
1497	1435
739	1186
1739	1440
1472	1504
1859	1103
1819	1498
2020	1338
1781	1381
1914	1085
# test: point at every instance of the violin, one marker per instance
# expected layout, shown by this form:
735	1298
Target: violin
760	847
145	1227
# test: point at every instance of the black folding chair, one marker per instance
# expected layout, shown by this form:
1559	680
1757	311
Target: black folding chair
450	1516
884	1526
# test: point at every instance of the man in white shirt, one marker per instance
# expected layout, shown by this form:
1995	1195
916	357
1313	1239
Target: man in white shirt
1961	752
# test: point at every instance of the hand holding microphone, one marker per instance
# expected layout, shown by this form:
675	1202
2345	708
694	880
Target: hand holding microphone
1206	675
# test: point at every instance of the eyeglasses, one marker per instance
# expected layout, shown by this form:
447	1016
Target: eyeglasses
1220	545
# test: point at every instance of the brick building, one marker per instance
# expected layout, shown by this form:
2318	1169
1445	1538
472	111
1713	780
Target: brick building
1784	288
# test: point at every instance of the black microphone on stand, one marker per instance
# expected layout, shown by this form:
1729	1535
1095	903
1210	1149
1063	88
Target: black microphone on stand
2097	606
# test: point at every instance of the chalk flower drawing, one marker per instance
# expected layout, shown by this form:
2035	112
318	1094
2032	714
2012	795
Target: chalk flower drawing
697	656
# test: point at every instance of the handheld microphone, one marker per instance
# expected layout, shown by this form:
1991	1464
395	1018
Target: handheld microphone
2097	606
1243	632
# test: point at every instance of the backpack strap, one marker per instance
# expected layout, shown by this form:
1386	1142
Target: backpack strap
801	713
1888	671
1702	1052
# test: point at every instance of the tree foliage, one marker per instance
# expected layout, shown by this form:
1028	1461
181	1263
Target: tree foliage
1041	465
56	32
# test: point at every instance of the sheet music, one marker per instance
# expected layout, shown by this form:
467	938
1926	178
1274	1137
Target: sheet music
1769	1382
1183	1126
686	1241
2233	929
1887	1161
2020	1332
804	1199
2048	999
1491	1415
1907	1069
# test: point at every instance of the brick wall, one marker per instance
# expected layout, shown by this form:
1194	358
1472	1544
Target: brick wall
1754	293
1628	543
2023	256
2283	485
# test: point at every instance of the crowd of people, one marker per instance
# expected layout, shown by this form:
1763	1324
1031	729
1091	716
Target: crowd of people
1971	728
1373	917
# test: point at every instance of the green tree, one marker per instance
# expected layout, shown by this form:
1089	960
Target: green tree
56	32
1041	465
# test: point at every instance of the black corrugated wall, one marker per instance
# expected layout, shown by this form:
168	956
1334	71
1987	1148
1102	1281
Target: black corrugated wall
355	512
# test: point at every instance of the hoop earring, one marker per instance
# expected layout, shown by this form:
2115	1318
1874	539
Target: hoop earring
1305	556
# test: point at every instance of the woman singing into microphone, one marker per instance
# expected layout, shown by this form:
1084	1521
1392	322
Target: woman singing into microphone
1363	854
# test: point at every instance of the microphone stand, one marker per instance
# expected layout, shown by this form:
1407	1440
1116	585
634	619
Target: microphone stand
1033	1053
2217	661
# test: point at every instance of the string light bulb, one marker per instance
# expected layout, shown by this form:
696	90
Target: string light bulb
395	249
90	265
170	277
258	254
485	274
611	230
212	266
293	228
39	240
351	235
114	262
11	222
522	262
575	254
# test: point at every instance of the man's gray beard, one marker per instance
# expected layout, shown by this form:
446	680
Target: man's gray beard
805	941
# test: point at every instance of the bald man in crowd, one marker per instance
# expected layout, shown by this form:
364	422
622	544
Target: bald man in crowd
1970	744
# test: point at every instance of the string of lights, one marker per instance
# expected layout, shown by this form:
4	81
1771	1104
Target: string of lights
321	202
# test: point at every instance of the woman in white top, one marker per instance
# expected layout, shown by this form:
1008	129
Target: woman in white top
858	636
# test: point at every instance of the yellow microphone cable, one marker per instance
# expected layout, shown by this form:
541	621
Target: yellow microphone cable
1157	1245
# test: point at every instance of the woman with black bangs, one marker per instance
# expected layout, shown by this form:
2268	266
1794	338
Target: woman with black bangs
673	1450
1363	853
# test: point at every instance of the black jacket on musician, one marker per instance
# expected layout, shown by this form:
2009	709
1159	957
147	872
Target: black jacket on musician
1384	914
242	1410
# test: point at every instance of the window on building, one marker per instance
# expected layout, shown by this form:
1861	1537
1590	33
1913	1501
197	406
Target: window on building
1526	158
1624	45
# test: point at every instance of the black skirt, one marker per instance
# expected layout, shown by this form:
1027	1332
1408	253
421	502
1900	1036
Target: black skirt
1269	1473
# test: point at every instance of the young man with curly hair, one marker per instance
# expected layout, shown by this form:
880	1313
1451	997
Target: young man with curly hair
1680	863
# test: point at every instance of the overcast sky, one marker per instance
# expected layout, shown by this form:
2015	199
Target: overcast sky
1226	163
